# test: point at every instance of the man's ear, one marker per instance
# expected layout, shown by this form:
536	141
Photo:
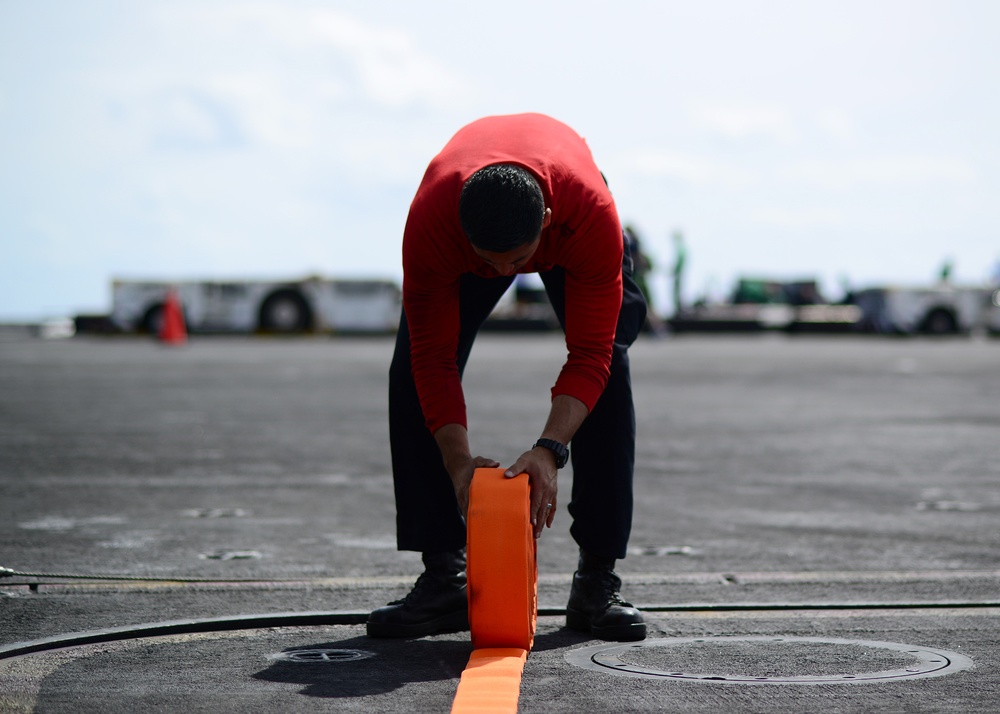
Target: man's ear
547	218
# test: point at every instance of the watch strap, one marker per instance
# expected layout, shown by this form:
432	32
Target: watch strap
560	450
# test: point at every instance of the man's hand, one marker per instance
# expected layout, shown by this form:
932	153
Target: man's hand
461	472
453	440
565	417
540	465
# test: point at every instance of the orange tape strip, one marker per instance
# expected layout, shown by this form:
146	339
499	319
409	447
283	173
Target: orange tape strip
503	592
491	681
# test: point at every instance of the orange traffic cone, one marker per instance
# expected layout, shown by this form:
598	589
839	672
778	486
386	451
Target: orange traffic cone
172	329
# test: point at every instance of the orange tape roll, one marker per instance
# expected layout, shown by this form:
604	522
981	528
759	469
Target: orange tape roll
501	567
502	590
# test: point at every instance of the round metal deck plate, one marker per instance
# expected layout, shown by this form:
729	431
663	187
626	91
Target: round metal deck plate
321	656
769	660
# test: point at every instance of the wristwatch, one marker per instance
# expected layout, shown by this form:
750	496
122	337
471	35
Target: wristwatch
560	450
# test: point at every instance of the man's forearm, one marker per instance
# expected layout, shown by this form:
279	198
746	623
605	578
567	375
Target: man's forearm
565	417
453	441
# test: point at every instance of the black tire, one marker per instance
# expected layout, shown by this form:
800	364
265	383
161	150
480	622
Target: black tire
285	312
152	321
939	321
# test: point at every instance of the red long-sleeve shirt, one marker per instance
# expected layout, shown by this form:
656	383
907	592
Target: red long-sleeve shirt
584	237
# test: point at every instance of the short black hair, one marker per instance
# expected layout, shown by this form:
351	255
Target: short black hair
501	208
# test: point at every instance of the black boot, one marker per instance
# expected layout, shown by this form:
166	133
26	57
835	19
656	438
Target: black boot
596	606
436	604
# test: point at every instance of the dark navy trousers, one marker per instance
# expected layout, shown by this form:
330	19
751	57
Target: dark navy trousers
602	452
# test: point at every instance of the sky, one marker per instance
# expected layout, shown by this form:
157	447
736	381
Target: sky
853	142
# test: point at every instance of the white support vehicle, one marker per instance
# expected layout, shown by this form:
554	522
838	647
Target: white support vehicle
271	306
939	310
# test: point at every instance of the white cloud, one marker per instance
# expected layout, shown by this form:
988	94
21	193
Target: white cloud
687	168
798	218
837	124
305	82
741	122
883	171
392	68
386	64
269	76
735	121
191	120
